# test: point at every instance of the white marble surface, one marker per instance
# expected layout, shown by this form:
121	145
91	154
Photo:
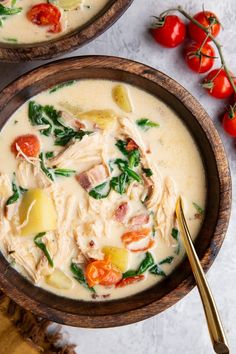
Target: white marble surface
181	329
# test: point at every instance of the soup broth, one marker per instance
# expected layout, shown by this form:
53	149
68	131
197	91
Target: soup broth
90	174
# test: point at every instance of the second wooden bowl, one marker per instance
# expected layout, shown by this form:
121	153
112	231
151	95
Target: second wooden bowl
66	43
166	293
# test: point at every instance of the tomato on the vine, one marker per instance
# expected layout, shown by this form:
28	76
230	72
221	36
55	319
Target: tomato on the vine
217	84
46	15
207	19
169	31
229	122
199	58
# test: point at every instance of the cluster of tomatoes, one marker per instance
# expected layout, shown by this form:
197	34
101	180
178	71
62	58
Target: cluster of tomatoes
170	31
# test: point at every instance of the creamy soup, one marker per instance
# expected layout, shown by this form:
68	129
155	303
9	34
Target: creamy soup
90	174
30	21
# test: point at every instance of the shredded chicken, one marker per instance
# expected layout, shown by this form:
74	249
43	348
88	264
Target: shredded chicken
154	186
166	211
50	241
83	243
65	208
5	186
87	149
29	175
25	254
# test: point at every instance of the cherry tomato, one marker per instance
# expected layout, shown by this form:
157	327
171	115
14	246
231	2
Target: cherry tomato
229	123
208	20
130	280
135	236
217	84
202	61
45	15
29	144
102	272
170	33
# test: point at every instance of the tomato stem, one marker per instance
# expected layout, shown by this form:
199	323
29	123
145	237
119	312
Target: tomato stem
208	33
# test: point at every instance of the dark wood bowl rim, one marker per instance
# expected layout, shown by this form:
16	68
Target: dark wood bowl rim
153	308
68	42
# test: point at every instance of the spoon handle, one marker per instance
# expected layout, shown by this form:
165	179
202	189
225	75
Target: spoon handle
215	327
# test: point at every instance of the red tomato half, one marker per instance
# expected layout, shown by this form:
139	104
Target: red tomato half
29	145
171	33
45	15
202	61
208	20
217	84
229	123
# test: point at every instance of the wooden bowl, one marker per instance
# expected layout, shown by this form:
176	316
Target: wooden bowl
166	293
68	42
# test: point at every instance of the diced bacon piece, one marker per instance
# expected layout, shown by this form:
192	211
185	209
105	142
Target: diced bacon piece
138	220
93	177
79	125
121	212
131	145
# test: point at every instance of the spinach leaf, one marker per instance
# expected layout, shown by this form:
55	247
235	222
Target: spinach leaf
175	235
64	136
39	243
198	208
52	173
7	11
49	154
37	116
15	196
48	172
157	271
121	144
79	276
63	84
124	167
17	192
64	172
129	273
10	39
167	260
146	263
148	172
49	116
133	156
98	191
119	183
146	124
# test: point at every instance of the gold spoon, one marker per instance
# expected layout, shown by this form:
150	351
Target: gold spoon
215	327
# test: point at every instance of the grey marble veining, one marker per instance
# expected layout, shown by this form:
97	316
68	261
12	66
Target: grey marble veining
181	329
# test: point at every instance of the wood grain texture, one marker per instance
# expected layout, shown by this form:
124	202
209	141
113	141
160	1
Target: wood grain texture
69	42
159	297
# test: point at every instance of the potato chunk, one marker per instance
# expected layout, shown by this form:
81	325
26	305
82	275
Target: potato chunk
37	212
120	96
118	256
68	4
58	279
104	118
